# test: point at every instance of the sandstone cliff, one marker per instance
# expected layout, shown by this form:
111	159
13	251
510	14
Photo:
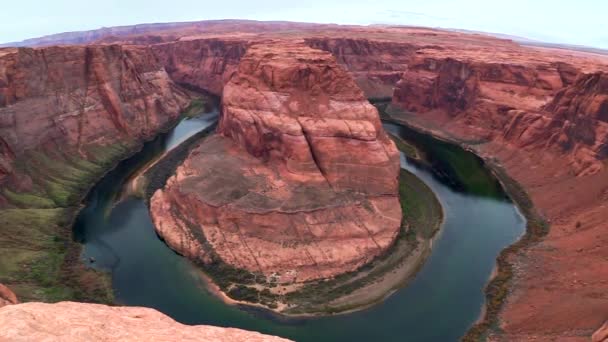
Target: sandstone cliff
68	321
537	107
301	183
376	65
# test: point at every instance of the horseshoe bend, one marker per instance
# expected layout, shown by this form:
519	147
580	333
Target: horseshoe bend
346	163
300	182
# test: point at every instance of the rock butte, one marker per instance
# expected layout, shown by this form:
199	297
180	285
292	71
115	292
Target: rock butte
69	321
540	112
301	182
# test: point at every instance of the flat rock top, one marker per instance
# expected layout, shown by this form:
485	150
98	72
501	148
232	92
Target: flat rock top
69	321
248	184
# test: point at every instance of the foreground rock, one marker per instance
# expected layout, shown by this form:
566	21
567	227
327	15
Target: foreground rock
301	182
68	321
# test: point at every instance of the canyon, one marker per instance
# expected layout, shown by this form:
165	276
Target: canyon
540	114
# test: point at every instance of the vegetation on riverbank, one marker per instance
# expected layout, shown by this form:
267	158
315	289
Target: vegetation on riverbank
39	260
409	150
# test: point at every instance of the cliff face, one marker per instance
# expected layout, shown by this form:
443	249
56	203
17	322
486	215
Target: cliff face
301	183
536	107
540	112
375	65
293	105
76	104
205	64
68	321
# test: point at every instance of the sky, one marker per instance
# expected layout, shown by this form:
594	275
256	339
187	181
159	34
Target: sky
581	22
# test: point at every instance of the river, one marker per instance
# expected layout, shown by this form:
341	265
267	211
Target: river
439	304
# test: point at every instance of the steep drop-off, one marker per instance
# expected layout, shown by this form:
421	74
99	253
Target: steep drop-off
299	184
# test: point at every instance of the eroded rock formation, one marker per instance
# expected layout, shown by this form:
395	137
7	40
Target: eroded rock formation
300	183
68	321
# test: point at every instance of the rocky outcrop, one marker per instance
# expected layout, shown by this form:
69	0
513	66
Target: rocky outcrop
581	110
7	297
68	321
301	183
76	103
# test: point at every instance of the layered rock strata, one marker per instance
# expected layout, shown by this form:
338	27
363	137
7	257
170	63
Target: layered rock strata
65	104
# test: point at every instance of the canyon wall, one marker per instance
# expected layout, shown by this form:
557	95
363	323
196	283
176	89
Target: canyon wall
375	65
62	108
538	107
301	181
204	64
68	321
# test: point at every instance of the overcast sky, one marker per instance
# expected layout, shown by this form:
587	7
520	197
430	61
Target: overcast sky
583	22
